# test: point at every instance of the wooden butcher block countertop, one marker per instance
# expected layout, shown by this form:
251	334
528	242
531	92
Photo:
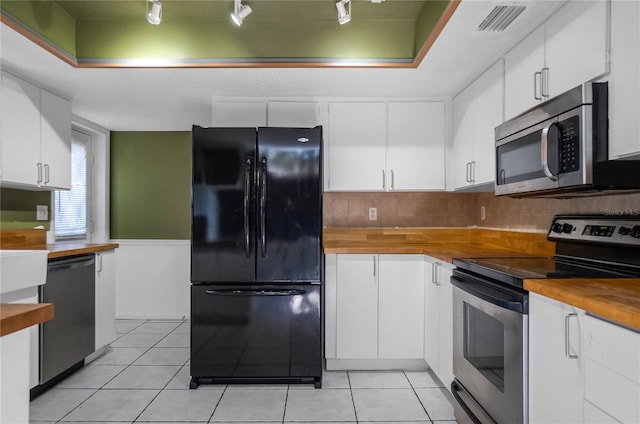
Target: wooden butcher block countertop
37	239
442	243
60	250
17	316
615	299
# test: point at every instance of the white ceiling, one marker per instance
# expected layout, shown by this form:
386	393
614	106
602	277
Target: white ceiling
155	99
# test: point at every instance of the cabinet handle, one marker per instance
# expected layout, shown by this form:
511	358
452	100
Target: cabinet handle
567	337
46	173
393	181
99	258
544	83
434	273
39	165
384	180
468	171
536	76
374	266
472	178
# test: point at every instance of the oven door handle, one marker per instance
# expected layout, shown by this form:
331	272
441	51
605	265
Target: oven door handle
493	296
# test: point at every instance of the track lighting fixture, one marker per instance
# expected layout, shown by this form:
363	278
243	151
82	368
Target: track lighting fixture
154	15
240	11
344	15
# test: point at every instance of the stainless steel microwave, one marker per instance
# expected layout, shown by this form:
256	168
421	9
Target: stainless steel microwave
559	148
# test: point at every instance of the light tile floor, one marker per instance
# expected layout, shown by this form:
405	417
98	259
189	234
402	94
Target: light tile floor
144	377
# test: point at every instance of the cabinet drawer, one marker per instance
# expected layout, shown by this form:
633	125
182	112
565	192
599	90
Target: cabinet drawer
613	393
614	347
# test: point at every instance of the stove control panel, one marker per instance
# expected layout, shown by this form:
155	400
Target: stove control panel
602	229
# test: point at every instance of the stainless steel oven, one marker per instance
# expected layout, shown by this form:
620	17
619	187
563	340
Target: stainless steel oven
561	147
490	310
489	348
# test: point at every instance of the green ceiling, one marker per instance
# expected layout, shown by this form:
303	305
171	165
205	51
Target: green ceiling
200	33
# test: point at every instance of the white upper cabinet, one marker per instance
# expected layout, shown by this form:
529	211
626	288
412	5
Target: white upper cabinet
476	112
20	131
55	127
568	50
36	137
523	72
385	146
624	83
357	146
293	114
416	146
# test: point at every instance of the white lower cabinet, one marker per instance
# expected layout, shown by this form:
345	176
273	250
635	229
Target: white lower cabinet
438	319
612	372
374	307
105	298
556	364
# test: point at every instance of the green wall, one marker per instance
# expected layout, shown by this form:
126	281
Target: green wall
46	19
150	185
18	208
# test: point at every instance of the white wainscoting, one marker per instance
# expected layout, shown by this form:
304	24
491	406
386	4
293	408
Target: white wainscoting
152	279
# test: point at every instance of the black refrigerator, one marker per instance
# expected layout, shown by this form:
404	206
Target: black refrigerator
256	255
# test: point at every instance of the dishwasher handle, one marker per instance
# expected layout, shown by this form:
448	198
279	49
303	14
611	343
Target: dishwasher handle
71	263
256	292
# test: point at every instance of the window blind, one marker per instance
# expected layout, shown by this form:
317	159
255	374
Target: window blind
70	218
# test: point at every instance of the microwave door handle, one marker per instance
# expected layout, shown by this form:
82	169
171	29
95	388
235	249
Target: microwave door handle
545	153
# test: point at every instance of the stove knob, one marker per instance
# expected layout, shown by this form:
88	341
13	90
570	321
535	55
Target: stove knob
623	231
635	231
556	228
567	228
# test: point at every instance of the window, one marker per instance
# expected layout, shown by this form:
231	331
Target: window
71	206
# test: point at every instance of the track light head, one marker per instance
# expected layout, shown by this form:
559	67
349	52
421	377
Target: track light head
344	15
240	12
154	16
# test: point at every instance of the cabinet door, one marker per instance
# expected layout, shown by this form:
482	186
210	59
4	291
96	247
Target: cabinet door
521	63
445	326
357	307
401	307
624	84
293	114
576	44
357	146
556	386
487	110
431	316
416	146
55	140
462	139
105	298
20	132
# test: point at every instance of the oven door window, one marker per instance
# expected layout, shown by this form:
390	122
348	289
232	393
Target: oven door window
483	344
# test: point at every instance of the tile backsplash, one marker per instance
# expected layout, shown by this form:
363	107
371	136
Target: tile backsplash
446	209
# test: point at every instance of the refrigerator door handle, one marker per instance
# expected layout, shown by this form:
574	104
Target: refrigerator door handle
254	292
247	195
263	207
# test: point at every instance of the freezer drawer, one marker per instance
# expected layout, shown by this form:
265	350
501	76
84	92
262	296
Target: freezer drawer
256	334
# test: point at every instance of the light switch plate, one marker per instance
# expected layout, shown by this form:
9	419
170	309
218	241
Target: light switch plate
42	213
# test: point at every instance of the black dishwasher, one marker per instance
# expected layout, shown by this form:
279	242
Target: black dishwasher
70	337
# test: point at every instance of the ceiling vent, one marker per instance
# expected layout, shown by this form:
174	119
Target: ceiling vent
500	18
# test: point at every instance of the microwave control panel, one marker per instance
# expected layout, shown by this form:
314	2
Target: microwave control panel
608	229
569	144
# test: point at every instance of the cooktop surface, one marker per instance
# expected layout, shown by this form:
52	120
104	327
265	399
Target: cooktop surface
515	269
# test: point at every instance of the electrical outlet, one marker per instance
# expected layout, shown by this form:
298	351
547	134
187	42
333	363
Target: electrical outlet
482	213
373	214
42	213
